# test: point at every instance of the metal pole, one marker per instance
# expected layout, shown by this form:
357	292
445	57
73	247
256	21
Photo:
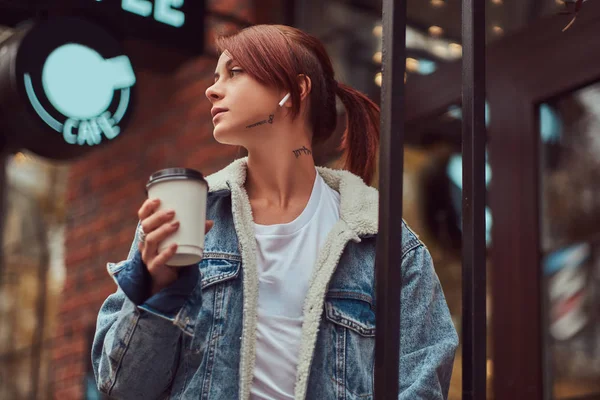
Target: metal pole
474	194
391	160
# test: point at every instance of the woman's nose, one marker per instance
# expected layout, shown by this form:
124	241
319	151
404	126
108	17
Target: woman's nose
213	93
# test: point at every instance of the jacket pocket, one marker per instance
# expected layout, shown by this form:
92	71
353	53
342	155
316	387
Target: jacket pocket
215	269
218	267
352	339
354	311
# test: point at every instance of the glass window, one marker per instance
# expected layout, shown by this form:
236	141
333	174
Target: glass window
570	215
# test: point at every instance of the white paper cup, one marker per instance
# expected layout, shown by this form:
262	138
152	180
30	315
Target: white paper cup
183	190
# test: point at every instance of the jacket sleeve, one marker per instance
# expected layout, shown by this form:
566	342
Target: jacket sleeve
138	337
428	337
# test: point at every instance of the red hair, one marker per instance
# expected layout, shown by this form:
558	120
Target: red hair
275	55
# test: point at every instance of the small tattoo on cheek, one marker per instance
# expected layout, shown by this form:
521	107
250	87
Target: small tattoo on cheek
301	151
257	124
269	121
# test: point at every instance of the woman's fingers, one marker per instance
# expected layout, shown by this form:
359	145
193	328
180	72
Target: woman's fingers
208	226
162	258
147	208
158	226
157	219
154	238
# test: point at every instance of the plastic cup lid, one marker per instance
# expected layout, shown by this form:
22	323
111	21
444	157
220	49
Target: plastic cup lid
175	173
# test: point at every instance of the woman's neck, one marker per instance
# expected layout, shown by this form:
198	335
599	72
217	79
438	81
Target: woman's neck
281	179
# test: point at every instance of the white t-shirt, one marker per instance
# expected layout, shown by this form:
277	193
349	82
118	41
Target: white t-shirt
287	254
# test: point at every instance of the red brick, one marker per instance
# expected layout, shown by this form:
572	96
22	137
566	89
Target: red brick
65	384
194	93
78	168
73	370
106	243
75	305
79	255
195	136
199	68
109	176
128	190
91	232
72	392
159	156
74	346
203	157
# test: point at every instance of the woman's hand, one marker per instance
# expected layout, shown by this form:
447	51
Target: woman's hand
157	226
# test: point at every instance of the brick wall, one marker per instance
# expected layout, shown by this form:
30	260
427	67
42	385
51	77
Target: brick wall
171	127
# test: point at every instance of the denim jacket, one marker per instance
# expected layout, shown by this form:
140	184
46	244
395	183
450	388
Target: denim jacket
196	339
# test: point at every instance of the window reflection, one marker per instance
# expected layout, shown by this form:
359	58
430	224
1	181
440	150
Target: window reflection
570	214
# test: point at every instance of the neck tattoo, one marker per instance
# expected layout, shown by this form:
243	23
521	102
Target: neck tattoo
303	150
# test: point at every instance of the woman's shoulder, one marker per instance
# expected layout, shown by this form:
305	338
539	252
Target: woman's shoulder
410	239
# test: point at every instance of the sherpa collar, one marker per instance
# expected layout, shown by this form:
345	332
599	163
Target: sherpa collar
358	202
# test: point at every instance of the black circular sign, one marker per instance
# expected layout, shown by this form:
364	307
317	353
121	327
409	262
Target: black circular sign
74	86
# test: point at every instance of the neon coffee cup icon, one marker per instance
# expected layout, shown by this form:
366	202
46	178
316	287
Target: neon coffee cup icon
80	84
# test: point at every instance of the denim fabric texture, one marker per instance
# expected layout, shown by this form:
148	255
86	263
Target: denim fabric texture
196	339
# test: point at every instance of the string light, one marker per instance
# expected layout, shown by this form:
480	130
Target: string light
455	49
440	50
377	57
498	30
378	30
489	368
20	158
412	64
437	3
436	31
378	79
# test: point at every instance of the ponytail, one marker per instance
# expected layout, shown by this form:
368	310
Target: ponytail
360	142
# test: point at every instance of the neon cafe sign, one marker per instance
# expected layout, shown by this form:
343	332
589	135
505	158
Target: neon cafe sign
164	11
175	24
75	87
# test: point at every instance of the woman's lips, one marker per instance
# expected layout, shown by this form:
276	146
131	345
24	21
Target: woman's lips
218	114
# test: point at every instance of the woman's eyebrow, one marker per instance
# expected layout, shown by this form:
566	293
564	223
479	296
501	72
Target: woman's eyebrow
227	65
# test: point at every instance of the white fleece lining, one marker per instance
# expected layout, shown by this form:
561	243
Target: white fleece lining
313	306
244	223
358	216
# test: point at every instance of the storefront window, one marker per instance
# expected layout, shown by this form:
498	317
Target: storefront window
570	215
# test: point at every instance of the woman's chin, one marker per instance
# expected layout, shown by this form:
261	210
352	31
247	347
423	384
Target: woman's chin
224	135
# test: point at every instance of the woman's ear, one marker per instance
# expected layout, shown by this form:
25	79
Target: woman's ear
305	85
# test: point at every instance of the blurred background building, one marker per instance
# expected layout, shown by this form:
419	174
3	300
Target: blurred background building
64	221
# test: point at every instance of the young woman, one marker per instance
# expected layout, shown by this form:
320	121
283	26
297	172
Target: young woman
283	304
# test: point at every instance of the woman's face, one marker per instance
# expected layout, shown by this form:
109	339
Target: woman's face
241	105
